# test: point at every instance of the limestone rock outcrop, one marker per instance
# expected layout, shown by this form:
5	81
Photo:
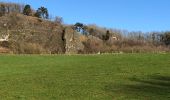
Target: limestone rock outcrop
73	44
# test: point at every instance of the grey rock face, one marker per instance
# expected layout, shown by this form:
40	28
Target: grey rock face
73	42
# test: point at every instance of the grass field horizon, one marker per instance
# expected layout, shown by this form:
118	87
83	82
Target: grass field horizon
85	77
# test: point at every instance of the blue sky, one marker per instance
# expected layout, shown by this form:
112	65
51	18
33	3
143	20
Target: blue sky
132	15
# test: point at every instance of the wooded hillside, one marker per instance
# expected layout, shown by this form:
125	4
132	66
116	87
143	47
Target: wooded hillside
27	31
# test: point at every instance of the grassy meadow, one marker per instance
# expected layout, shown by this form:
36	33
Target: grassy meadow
85	77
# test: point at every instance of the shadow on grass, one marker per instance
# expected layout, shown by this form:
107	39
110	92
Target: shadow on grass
152	88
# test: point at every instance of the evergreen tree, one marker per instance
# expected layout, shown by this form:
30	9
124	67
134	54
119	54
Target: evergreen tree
42	12
27	10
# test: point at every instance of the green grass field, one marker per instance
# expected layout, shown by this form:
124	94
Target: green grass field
88	77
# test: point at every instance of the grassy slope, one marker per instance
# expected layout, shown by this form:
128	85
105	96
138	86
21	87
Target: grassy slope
100	77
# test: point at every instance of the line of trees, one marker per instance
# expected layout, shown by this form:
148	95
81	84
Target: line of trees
105	34
7	8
